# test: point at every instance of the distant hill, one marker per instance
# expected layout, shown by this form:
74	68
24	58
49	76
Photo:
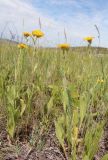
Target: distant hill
7	41
98	50
80	49
84	49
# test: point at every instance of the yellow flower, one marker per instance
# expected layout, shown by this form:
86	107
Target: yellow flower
22	46
100	80
89	39
26	34
64	46
37	33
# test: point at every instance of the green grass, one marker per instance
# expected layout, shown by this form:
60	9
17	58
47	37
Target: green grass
47	87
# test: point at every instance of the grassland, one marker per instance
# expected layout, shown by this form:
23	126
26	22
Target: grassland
47	92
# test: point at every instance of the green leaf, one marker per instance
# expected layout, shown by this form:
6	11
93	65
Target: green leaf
75	118
86	158
16	114
23	107
83	107
105	157
11	122
65	100
74	91
11	94
50	105
35	67
92	138
60	130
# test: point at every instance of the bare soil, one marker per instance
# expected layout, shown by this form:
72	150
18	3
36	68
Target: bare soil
50	150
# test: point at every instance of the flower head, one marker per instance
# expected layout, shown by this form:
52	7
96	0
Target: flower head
64	46
89	39
100	80
26	34
37	33
22	46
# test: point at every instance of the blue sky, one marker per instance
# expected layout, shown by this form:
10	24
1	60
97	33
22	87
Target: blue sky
77	17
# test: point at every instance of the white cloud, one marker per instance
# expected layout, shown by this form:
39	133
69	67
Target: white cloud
17	11
75	3
23	15
78	26
63	2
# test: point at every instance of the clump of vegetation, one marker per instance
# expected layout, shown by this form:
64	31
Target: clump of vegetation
44	88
